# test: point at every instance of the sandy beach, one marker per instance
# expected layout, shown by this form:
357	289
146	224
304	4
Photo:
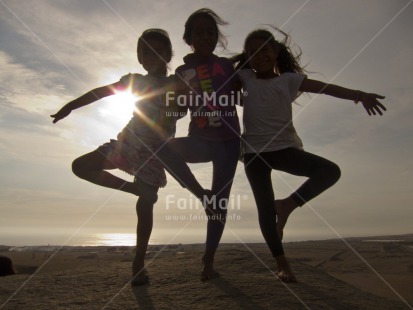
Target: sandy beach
360	273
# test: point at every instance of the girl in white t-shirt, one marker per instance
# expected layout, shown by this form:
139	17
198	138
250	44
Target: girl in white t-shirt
272	78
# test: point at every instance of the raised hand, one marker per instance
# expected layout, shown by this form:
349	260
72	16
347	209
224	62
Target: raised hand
371	104
62	113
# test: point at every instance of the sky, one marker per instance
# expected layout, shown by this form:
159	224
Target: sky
52	52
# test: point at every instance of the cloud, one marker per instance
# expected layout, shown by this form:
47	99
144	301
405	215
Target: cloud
27	89
56	33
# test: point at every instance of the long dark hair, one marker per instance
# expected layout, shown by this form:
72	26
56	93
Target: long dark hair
288	59
217	21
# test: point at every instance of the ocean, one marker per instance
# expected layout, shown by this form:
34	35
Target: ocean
128	239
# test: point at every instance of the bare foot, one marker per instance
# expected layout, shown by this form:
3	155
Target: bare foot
287	277
140	278
139	275
285	274
208	272
283	208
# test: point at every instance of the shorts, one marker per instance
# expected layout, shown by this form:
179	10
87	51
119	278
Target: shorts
139	160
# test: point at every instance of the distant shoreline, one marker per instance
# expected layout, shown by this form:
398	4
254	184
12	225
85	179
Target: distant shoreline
404	238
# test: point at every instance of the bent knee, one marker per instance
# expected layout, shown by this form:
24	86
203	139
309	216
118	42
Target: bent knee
334	172
77	167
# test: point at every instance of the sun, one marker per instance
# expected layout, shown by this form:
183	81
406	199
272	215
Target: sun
120	106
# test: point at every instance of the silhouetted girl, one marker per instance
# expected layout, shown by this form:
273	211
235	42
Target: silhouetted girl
272	82
214	128
136	146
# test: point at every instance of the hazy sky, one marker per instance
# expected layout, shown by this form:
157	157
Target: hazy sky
54	51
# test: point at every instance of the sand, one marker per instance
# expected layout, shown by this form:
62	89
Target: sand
330	274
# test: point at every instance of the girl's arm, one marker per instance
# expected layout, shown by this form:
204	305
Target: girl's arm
237	88
180	87
88	98
369	100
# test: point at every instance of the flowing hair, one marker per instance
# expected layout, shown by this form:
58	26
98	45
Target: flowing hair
216	20
288	59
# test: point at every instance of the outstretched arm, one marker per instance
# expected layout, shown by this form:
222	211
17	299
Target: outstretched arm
88	98
369	100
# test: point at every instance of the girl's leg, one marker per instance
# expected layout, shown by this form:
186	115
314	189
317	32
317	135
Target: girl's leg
224	162
175	155
321	174
144	211
259	176
91	167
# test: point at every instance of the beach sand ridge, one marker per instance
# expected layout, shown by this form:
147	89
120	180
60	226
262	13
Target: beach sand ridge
330	277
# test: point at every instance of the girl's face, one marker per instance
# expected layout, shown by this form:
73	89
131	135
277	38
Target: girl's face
263	57
204	36
154	57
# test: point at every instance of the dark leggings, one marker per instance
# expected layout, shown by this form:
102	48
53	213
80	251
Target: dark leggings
321	174
224	157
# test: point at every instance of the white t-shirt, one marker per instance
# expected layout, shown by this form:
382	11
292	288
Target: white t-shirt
268	124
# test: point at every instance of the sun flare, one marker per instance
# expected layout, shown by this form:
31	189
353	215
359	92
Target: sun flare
120	106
